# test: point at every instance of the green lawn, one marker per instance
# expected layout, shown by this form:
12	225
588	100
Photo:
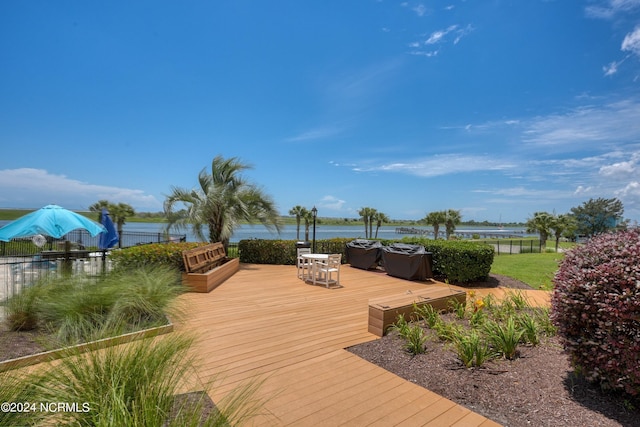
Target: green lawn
536	270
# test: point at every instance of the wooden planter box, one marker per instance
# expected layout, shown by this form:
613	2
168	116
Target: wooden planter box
207	267
384	311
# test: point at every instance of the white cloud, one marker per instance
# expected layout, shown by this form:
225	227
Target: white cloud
631	42
622	169
613	123
420	10
331	202
446	164
438	36
611	8
36	187
612	68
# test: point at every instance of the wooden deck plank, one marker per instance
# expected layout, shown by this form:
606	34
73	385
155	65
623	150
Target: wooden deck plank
264	323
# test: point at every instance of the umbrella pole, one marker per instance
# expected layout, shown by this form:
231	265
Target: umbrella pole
66	264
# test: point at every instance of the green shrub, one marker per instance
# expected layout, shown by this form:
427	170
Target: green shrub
596	308
283	252
161	254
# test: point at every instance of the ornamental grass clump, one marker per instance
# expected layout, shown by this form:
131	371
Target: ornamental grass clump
596	308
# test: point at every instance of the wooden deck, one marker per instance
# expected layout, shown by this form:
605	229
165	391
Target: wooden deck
265	324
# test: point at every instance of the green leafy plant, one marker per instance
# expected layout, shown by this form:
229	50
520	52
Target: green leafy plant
459	308
472	350
416	339
504	337
530	329
427	313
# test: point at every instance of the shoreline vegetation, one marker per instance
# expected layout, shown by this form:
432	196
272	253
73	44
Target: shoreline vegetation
12	214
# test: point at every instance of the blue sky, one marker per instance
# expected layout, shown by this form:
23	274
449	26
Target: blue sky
496	108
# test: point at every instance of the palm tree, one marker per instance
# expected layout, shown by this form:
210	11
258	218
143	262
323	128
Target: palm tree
541	222
298	211
97	207
560	224
367	215
451	220
379	217
223	200
308	220
119	212
435	219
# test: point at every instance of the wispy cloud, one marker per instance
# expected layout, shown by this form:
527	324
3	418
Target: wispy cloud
612	123
620	11
37	187
452	34
610	8
316	134
445	164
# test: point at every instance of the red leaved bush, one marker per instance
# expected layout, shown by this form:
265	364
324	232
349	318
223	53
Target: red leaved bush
596	308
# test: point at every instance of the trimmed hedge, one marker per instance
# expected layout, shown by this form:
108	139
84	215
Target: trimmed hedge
283	252
458	261
166	254
596	308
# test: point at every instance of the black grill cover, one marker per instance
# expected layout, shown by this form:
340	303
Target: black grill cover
363	253
410	262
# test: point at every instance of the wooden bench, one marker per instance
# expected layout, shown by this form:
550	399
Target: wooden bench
384	311
207	267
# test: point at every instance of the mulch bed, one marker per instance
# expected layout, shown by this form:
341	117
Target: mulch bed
537	389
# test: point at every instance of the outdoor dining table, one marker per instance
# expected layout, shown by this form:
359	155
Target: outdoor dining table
312	258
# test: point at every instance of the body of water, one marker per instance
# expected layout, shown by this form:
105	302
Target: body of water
288	232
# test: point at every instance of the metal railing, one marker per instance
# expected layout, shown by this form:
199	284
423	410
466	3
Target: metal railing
17	273
81	239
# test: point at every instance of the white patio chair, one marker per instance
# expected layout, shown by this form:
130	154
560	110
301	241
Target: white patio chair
324	270
304	264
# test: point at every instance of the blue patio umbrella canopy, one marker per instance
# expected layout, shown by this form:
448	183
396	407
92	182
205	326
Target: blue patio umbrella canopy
51	220
110	237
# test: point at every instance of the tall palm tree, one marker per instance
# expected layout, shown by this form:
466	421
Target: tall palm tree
380	218
434	219
298	211
223	200
367	215
452	219
542	222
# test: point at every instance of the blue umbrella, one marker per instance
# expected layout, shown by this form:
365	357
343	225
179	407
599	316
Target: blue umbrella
51	220
110	237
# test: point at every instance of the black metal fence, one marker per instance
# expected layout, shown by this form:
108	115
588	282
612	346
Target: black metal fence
81	239
515	246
